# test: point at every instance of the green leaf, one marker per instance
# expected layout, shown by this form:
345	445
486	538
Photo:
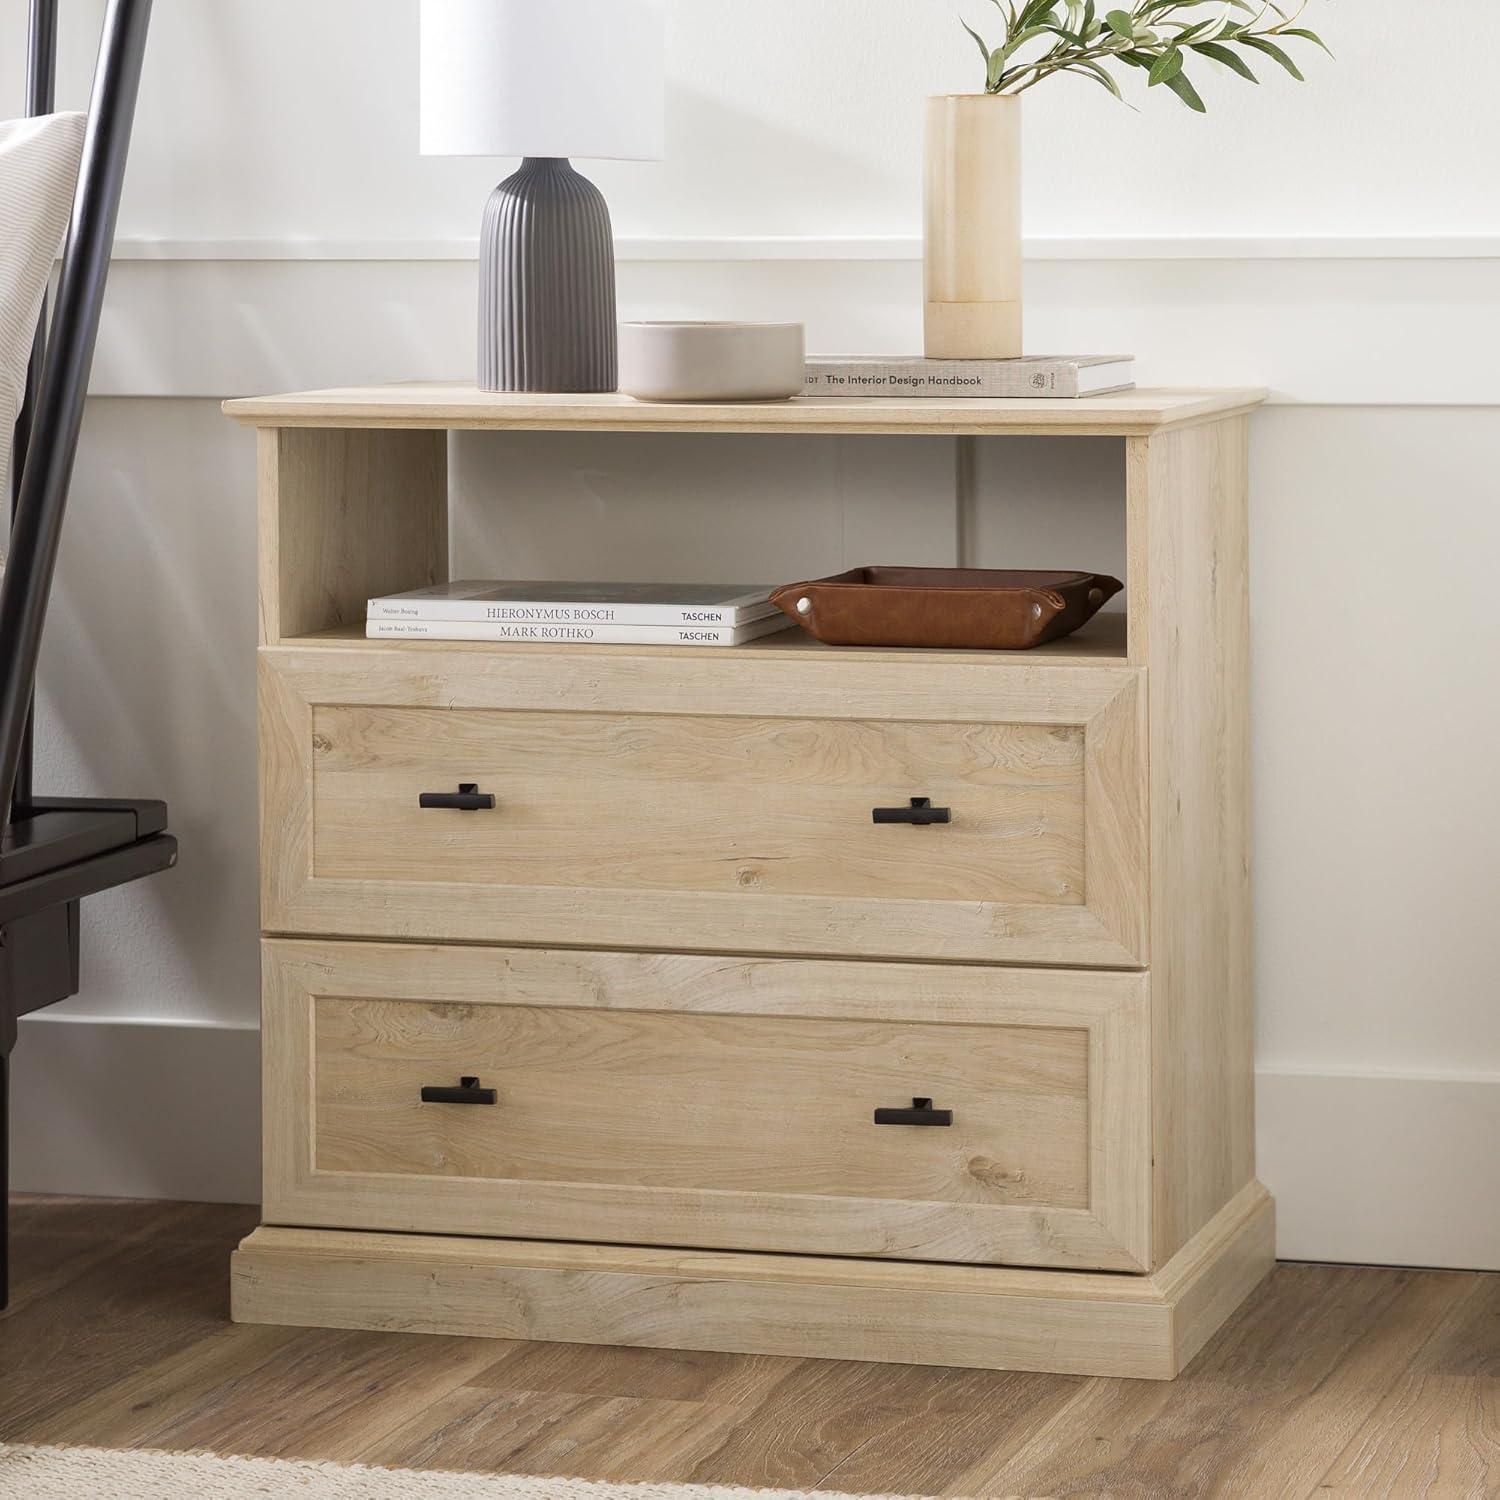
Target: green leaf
1091	69
1120	23
1272	50
1187	93
979	42
1161	5
1065	35
1231	59
1306	35
1165	68
1020	40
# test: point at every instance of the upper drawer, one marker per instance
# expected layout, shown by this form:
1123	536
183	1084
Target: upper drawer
706	805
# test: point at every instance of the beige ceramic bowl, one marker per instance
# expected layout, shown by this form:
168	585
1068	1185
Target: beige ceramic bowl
711	361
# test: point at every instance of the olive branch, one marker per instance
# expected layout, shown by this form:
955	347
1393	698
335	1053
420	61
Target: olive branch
1157	36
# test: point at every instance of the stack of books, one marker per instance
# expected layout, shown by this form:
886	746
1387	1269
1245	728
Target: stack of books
636	614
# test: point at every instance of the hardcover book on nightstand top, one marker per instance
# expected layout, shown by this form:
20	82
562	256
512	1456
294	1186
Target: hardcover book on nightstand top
1051	375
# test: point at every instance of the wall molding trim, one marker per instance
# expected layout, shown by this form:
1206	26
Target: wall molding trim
1367	1166
1397	323
835	248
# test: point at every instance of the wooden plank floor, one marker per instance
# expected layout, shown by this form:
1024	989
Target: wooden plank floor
1331	1381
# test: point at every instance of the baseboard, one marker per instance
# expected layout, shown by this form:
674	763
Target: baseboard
136	1109
1379	1168
1390	1169
976	1317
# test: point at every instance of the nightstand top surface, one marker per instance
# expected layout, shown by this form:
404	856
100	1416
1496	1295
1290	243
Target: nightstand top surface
441	406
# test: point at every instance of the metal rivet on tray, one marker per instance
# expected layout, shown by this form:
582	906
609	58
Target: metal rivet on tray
1096	596
804	606
1036	611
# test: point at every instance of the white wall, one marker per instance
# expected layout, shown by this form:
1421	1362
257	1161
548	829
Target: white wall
280	231
280	118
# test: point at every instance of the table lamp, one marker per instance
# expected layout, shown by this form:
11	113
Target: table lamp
544	80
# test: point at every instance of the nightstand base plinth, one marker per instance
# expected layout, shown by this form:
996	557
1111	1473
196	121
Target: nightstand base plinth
979	1317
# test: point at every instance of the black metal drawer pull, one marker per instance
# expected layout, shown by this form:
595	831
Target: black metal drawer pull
467	1092
468	798
920	1113
920	812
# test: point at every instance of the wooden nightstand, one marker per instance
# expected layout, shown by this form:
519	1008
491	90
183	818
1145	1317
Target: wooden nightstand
683	1015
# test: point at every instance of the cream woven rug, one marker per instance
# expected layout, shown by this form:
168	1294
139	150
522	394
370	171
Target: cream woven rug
140	1474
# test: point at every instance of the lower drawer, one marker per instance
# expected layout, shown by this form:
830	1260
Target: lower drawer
709	1102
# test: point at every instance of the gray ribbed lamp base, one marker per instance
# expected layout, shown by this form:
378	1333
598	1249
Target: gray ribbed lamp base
547	283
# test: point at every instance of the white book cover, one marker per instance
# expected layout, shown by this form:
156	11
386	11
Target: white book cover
1055	376
563	633
532	602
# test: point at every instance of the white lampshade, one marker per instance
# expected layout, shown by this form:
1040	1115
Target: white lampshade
543	78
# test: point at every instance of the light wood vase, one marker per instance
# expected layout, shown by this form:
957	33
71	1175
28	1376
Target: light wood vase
973	227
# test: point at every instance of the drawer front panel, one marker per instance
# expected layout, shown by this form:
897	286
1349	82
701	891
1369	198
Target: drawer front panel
682	1100
692	804
780	1104
746	824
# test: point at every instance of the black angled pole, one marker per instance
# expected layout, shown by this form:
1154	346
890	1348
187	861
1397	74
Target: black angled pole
43	496
41	82
41	77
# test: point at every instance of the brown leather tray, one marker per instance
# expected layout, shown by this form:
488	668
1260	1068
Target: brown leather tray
977	609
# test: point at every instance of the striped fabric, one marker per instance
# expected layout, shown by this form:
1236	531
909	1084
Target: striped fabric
38	171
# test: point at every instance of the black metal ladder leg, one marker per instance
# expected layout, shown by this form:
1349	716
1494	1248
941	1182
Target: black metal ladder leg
47	434
41	80
43	495
4	1180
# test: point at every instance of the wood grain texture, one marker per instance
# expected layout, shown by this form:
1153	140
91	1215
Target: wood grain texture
1065	1322
669	1099
138	1294
718	1103
1265	1410
916	687
1318	1357
344	516
972	227
689	803
752	813
1187	498
456	406
671	805
1436	1431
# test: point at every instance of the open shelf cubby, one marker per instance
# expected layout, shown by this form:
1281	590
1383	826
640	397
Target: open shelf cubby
393	488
